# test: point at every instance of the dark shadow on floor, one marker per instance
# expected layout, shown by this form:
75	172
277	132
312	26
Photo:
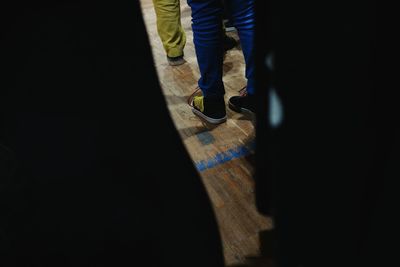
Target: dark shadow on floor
267	255
228	66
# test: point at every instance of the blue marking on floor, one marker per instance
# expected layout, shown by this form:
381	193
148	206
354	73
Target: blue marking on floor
230	154
205	138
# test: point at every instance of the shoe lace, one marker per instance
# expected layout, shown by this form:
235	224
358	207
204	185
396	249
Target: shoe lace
243	91
197	92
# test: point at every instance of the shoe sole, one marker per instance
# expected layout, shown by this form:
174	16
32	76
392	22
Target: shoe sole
208	119
230	29
176	63
240	110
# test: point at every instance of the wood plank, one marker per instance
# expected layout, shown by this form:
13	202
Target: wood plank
220	153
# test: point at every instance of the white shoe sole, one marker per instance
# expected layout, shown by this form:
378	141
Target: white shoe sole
208	119
230	29
176	63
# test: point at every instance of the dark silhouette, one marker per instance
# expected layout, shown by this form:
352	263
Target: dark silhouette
102	177
327	134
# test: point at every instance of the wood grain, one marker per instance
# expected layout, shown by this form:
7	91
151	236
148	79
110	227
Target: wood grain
229	183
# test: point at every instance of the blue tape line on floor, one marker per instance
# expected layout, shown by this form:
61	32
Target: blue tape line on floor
220	158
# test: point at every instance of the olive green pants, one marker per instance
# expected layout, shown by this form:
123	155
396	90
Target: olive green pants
169	26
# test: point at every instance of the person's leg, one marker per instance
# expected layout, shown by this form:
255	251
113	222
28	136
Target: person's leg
243	19
169	28
227	19
208	41
207	38
242	12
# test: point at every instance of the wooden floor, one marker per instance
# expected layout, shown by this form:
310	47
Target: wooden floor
222	154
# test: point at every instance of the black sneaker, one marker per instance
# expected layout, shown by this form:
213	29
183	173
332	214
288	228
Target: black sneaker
229	26
229	42
175	61
243	103
209	109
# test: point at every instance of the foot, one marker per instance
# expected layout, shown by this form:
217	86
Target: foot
243	103
175	61
209	109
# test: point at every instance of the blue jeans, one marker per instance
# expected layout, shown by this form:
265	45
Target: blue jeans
208	40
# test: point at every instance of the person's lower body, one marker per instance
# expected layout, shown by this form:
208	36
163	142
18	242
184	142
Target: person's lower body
207	16
170	30
227	21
